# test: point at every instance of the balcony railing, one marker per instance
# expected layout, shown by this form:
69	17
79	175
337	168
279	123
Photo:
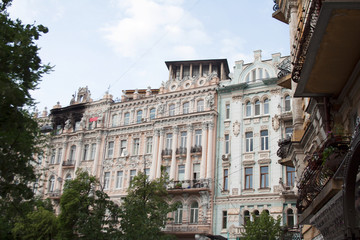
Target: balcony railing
187	184
68	163
196	149
321	167
181	151
166	152
54	194
305	29
284	146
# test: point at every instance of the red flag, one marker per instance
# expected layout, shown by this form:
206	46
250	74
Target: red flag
93	119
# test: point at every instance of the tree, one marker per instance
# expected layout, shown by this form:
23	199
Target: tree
86	211
145	208
41	223
20	72
264	227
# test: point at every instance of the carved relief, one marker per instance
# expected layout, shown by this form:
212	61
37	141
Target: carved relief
236	128
275	123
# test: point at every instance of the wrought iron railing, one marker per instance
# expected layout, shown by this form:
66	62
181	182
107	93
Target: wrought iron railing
196	149
185	184
68	163
181	151
166	152
304	32
321	167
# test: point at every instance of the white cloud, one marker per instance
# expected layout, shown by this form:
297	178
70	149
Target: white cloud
146	23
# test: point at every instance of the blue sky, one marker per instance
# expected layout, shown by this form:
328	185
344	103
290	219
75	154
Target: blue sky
124	43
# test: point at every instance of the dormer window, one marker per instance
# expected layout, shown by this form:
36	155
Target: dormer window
257	74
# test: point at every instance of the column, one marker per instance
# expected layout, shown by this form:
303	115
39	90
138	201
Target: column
79	146
96	160
188	152
173	156
181	71
204	142
155	152
159	156
170	72
209	170
59	175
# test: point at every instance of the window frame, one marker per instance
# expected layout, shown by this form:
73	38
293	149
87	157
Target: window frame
200	105
139	115
264	140
264	177
136	146
287	103
152	113
172	109
106	180
226	179
249	142
266	105
178	214
257	108
149	145
186	107
248	109
249	178
198	137
194	212
126	118
110	149
292	176
119	179
227	111
224	219
227	143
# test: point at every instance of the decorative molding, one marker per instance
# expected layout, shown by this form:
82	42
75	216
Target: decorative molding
236	128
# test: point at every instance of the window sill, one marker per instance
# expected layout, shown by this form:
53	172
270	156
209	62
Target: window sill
225	192
264	189
250	190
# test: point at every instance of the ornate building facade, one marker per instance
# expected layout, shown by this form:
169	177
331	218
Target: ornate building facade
254	114
172	127
325	83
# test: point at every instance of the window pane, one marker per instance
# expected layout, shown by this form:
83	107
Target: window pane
181	172
152	113
264	140
257	107
248	109
200	105
139	116
266	106
119	179
186	108
264	173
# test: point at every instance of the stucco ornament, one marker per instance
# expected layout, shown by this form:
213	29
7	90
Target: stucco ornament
161	107
68	124
275	122
236	128
210	101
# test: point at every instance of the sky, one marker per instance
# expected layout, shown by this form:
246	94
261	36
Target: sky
115	45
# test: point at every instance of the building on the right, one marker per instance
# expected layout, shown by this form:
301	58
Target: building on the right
325	83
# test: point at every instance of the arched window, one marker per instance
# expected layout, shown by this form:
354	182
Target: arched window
114	120
52	184
267	211
200	105
257	107
256	214
127	118
186	108
287	103
152	113
178	214
72	153
266	106
139	116
290	218
194	212
171	109
248	109
246	217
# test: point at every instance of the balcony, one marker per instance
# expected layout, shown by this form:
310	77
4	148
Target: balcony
283	152
54	194
166	153
181	151
196	150
182	229
318	176
68	164
189	185
326	50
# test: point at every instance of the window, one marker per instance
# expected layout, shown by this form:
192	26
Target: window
152	113
290	176
224	219
126	118
227	143
139	116
147	172
194	212
110	152
52	184
86	151
290	218
266	106
149	141
40	158
93	150
68	177
248	178
200	105
181	172
257	107
132	175
198	134
246	217
123	144
253	75
171	109
256	214
195	71
177	72
288	132
264	140
226	180
196	171
183	139
249	142
35	186
178	214
106	180
186	71
260	73
119	179
264	177
72	153
52	158
248	109
287	103
59	155
205	70
77	126
114	120
247	79
136	146
227	111
186	108
169	140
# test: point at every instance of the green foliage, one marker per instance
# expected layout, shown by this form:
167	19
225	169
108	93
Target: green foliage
20	72
86	212
264	227
145	208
